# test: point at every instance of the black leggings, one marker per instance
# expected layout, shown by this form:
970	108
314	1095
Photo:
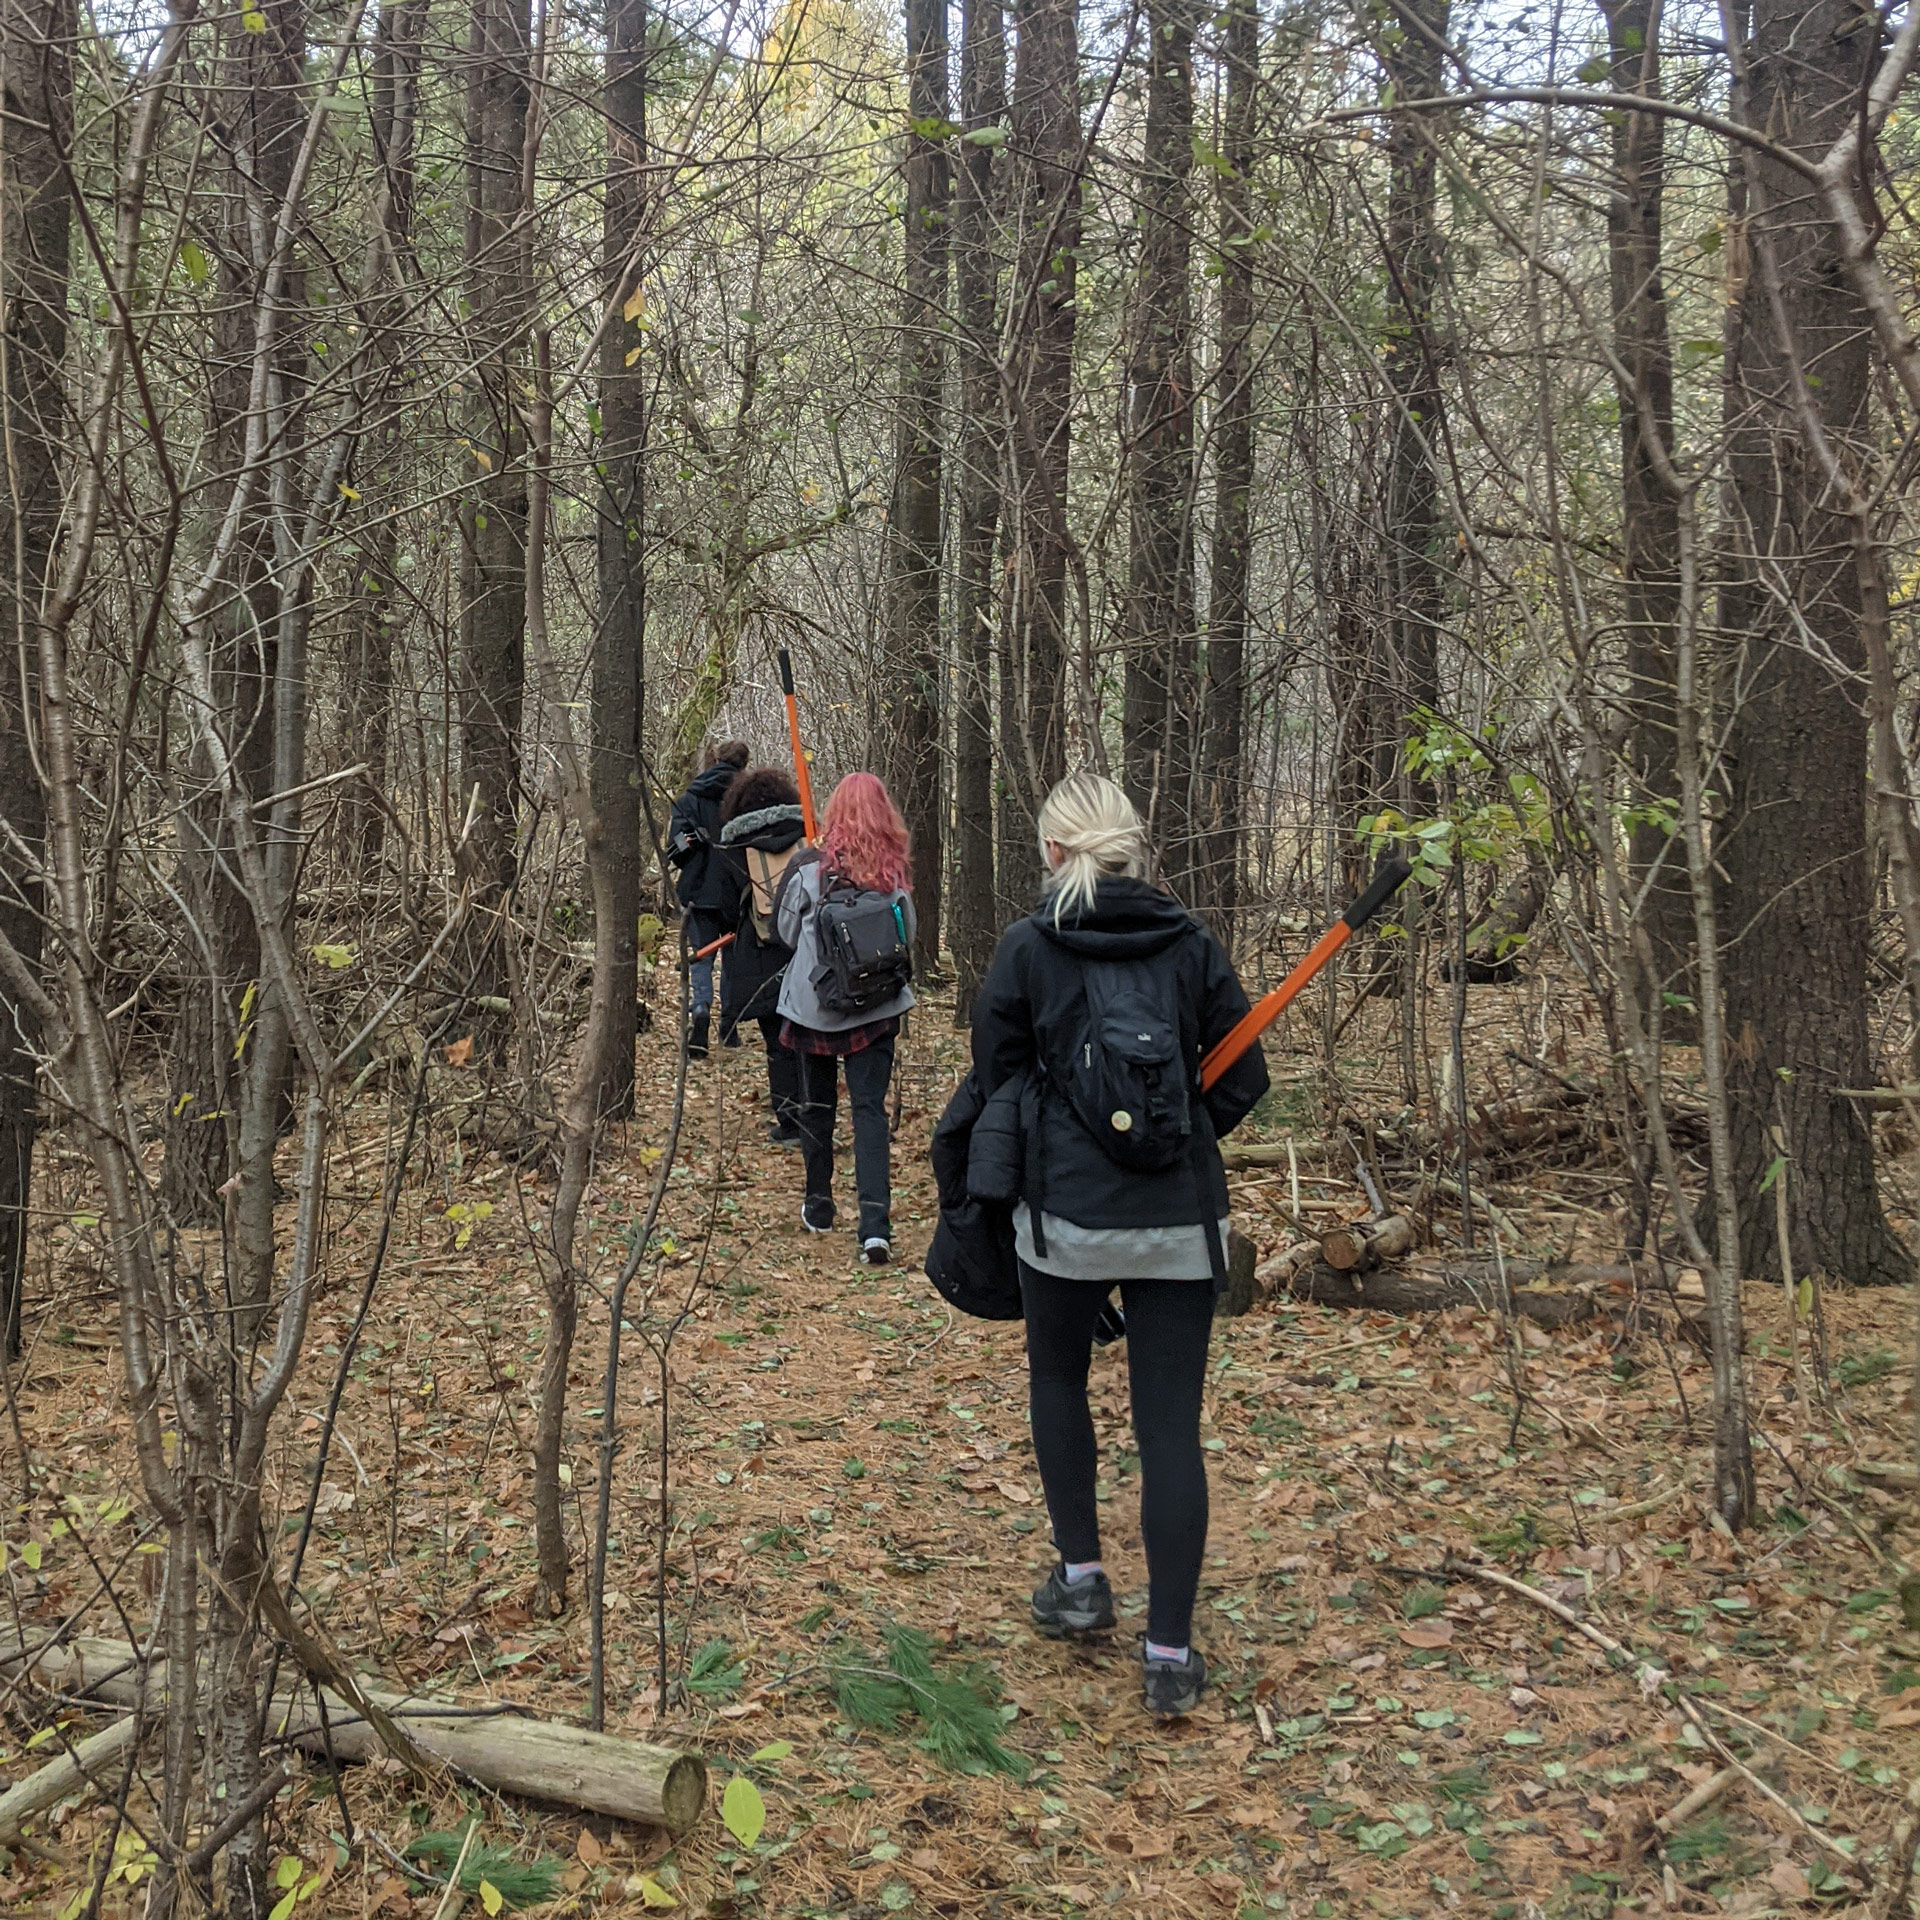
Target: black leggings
1168	1325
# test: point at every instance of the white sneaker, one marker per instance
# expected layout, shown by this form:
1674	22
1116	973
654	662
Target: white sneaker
876	1252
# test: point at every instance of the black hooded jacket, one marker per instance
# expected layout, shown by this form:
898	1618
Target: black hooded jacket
708	883
1033	1003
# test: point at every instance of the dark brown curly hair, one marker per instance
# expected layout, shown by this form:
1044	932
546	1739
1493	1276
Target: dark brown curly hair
757	787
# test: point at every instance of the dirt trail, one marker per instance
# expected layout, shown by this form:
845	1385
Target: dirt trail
845	1453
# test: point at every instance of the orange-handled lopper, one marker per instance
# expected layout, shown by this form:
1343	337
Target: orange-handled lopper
802	777
1384	885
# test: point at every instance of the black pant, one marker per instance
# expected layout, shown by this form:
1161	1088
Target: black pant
783	1073
869	1073
1168	1325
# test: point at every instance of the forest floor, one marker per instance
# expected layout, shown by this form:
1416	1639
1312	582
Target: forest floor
843	1453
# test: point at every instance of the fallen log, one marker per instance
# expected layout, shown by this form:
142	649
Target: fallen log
1253	1153
498	1748
1390	1290
88	1765
1361	1245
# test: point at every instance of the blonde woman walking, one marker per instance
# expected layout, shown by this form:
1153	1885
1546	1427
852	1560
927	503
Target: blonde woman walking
1106	996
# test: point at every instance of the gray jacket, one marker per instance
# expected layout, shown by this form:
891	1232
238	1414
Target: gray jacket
794	915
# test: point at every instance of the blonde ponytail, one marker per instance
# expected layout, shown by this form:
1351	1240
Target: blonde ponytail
1097	831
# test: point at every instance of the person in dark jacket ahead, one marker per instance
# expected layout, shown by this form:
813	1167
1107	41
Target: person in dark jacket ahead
708	885
1084	1221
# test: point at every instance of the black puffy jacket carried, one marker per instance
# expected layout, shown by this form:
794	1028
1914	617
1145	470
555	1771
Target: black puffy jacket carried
971	1259
1032	1005
707	882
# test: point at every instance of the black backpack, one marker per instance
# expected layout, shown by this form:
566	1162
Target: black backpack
1127	1077
865	956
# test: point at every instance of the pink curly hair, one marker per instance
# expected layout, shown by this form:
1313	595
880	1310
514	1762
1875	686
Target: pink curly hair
864	837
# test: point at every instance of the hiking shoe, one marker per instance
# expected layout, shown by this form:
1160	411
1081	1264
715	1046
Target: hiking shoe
816	1215
782	1135
698	1035
876	1251
1173	1687
1064	1606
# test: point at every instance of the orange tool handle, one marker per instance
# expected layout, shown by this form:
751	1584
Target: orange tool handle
803	778
713	946
1258	1018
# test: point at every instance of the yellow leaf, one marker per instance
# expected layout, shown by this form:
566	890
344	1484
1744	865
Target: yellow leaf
485	459
490	1897
255	22
330	953
30	1553
1805	1300
635	307
743	1810
352	493
283	1907
653	1894
633	356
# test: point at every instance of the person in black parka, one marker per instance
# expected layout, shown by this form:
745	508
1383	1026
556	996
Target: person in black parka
1084	1221
708	885
761	823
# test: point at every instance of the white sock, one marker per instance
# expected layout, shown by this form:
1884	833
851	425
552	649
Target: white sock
1178	1655
1076	1570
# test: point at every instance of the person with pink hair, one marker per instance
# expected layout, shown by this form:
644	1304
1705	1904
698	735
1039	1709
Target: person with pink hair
862	866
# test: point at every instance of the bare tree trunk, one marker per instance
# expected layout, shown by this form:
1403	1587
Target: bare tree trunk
1161	708
36	51
1732	1441
619	649
1217	887
1649	510
1792	847
261	76
367	688
914	528
1048	192
972	919
580	1115
1415	68
493	517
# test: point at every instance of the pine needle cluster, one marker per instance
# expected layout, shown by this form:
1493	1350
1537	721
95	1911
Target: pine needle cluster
520	1883
959	1709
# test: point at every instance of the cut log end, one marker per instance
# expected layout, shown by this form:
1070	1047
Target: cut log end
683	1789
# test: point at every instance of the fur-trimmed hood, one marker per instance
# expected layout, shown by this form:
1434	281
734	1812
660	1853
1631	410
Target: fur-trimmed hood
773	829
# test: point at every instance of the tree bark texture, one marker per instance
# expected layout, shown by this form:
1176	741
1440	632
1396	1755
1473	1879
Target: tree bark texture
1418	426
1161	710
493	517
619	648
978	206
1791	847
36	42
367	686
1216	884
1649	517
1048	194
914	528
261	76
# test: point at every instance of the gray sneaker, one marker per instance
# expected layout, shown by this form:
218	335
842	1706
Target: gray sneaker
1173	1687
1064	1607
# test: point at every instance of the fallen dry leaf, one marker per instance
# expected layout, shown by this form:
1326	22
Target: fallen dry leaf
1785	1878
1428	1633
1014	1492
